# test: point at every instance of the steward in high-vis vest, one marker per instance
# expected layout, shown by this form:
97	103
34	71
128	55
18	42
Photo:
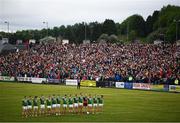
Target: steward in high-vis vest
176	82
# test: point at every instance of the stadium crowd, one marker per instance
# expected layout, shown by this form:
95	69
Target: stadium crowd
137	62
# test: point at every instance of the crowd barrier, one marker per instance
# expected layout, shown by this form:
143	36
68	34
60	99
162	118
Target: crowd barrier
105	84
31	79
128	85
7	78
141	86
166	87
91	83
55	81
147	86
158	87
174	88
24	79
120	85
38	80
71	82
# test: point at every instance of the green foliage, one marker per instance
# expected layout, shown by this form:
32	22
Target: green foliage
150	22
110	39
123	39
132	35
156	35
113	39
165	19
103	37
135	23
134	26
109	27
96	30
171	33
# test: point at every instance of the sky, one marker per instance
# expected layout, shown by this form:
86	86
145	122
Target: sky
30	14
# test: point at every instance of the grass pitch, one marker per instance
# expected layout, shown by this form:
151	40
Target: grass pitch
120	104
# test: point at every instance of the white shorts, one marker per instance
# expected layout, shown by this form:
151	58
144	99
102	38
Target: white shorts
95	105
48	107
71	106
100	105
24	107
42	106
65	105
80	104
75	104
58	105
29	107
53	105
35	107
90	105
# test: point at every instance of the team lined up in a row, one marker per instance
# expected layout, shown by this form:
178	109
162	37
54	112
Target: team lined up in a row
56	105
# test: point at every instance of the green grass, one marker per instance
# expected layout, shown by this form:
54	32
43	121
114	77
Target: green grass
120	104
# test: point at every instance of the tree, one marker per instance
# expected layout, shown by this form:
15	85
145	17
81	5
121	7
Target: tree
62	30
156	35
55	32
109	27
164	19
134	22
171	33
113	39
96	30
103	37
79	30
132	35
150	21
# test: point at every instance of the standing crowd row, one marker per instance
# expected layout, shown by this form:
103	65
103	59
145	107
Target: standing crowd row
141	62
57	105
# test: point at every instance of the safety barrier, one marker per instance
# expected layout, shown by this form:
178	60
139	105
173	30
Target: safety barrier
24	79
108	84
174	88
91	83
120	85
38	80
71	82
7	78
141	86
55	81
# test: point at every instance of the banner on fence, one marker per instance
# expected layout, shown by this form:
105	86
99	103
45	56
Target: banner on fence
89	83
112	84
166	87
119	84
102	84
143	86
54	81
38	80
105	84
71	82
24	79
174	88
128	85
157	87
7	78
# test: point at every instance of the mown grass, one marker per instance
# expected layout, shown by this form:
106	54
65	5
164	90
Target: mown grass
120	104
